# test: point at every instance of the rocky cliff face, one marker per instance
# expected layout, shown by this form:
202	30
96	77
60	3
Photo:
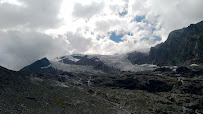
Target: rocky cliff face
183	47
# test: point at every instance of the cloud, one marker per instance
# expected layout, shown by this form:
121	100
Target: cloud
22	48
87	11
31	14
31	29
151	20
176	14
78	43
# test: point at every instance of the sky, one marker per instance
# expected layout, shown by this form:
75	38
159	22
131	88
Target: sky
33	29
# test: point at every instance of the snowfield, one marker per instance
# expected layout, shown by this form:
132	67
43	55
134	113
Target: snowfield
74	68
117	61
120	62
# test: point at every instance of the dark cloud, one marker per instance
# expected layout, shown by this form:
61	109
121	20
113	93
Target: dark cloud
32	14
19	46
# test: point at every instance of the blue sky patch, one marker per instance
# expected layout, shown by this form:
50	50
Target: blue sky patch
139	18
123	13
157	38
153	29
130	34
116	38
144	39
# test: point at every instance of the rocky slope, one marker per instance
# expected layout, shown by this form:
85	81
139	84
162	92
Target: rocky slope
183	47
162	91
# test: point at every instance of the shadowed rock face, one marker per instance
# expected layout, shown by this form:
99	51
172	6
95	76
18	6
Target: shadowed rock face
38	65
163	69
141	83
183	70
183	47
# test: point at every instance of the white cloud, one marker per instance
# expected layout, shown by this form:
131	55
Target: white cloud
176	14
78	43
87	11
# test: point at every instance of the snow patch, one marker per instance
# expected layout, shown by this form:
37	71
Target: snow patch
120	62
74	68
69	57
46	67
194	65
60	84
116	61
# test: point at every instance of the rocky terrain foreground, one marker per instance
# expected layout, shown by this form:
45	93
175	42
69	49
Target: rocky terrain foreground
161	91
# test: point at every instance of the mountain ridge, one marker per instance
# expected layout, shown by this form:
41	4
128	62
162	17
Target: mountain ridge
182	47
88	64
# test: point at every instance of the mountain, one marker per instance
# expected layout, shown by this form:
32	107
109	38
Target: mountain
85	60
183	47
56	65
38	65
111	84
92	64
